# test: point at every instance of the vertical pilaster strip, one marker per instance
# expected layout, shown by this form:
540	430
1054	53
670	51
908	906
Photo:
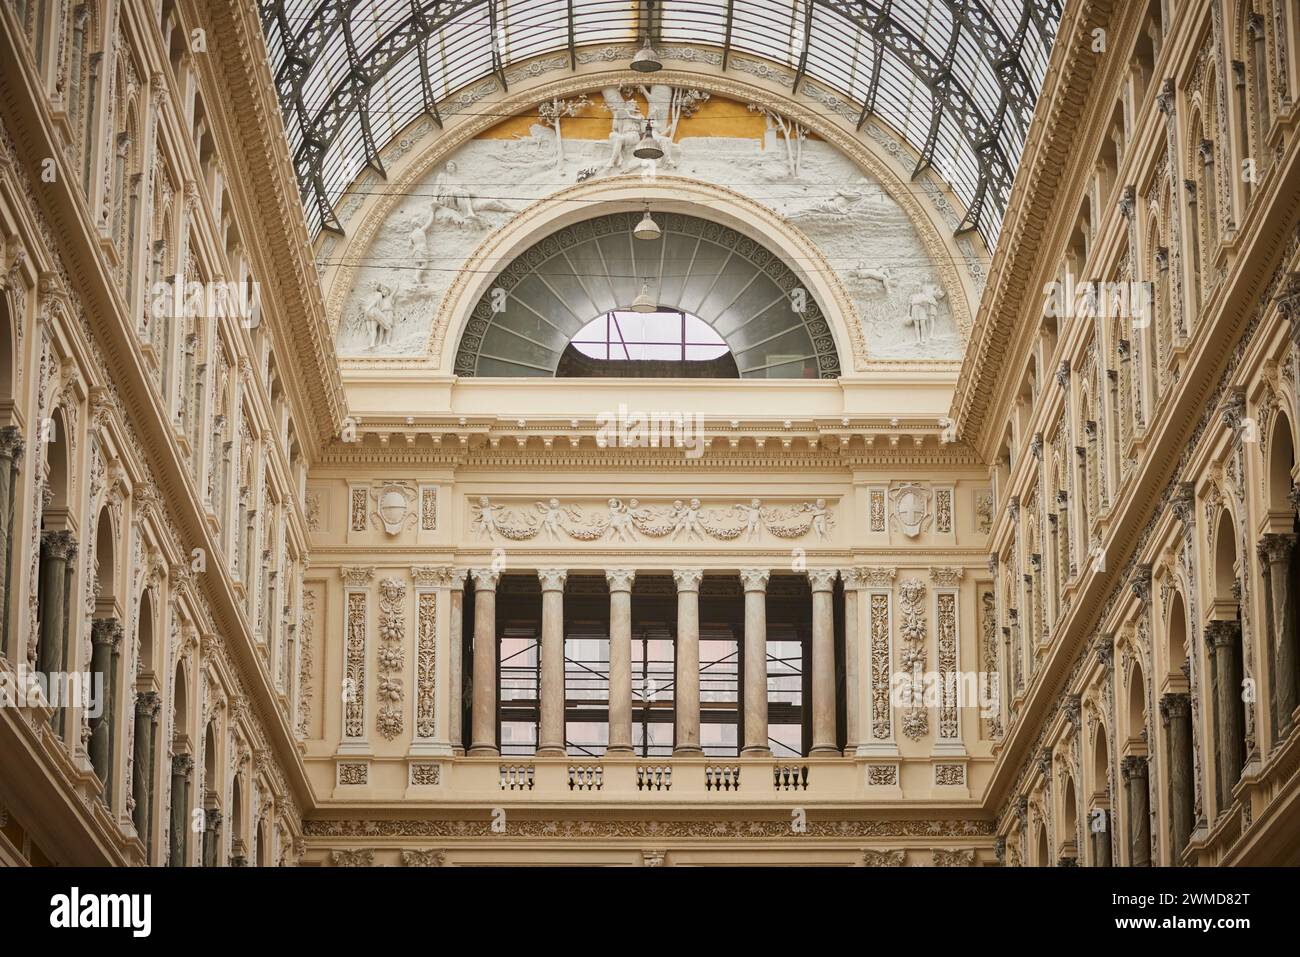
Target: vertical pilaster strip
356	651
912	655
852	679
428	584
391	660
878	594
455	663
1166	100
948	643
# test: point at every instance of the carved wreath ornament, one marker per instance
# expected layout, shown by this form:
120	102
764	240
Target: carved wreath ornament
620	521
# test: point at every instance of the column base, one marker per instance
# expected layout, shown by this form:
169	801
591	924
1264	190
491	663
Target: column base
687	751
756	752
824	749
619	749
550	751
483	750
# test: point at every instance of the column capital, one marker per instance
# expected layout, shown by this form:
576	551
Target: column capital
754	579
552	579
688	579
620	579
11	442
1175	705
822	579
106	631
1133	766
1276	547
147	704
59	544
485	579
183	764
1222	632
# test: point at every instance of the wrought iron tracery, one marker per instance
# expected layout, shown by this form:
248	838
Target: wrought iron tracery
956	78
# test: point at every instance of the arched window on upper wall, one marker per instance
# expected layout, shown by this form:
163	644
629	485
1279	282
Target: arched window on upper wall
592	299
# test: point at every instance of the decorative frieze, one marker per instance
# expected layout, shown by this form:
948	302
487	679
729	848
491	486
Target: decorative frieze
874	858
684	520
756	829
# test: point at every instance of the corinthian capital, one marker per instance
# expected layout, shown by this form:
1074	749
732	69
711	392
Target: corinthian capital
688	579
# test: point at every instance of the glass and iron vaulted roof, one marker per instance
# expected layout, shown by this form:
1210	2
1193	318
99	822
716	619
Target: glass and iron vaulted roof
956	78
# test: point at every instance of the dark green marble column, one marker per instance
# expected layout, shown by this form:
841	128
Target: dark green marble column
1134	771
105	636
182	769
146	720
11	453
1176	714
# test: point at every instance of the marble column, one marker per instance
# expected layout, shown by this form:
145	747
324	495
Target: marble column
550	717
484	716
822	580
212	837
754	581
687	697
105	636
1224	637
1134	771
1175	713
146	720
11	452
1100	838
57	551
1277	549
455	666
620	659
182	770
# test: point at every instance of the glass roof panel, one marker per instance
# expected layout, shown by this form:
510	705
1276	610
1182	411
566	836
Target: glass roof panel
956	78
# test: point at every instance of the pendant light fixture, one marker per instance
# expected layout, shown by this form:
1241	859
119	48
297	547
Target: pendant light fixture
648	149
646	60
647	228
644	302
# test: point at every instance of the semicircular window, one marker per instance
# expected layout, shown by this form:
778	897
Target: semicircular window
549	311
